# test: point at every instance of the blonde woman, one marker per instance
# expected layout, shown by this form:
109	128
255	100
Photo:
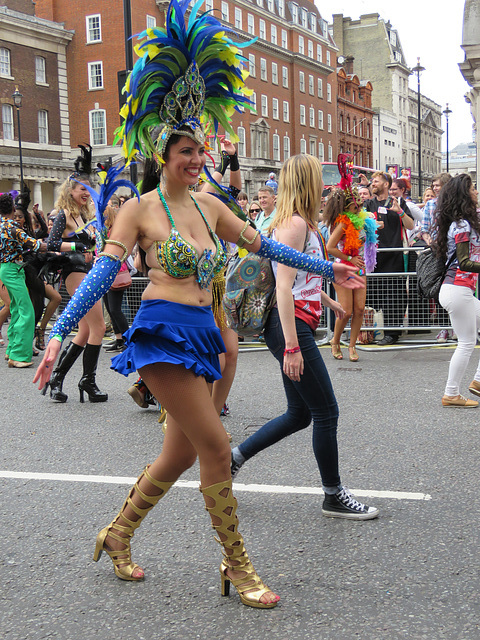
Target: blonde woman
290	337
68	235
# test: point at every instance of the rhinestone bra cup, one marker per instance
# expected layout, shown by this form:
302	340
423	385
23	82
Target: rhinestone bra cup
179	259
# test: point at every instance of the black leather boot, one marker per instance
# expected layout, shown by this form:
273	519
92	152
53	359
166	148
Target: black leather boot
87	381
68	357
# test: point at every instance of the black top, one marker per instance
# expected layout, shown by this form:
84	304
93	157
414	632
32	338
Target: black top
390	235
56	238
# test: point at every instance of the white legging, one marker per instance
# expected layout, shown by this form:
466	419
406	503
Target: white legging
464	311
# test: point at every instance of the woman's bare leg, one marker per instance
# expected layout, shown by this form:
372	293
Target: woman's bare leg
221	388
54	300
91	327
359	298
345	298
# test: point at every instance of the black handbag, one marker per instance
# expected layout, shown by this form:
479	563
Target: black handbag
431	271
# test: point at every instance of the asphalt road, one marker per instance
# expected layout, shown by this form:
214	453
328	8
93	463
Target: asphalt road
413	573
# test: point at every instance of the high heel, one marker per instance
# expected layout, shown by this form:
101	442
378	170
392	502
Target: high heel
40	338
87	381
123	556
336	351
66	362
250	587
353	355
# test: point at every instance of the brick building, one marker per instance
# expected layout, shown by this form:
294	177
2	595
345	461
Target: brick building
33	58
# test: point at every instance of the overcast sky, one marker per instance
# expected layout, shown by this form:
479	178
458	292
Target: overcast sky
433	32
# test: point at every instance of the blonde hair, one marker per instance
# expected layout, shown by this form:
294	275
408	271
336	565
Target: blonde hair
110	214
66	203
300	187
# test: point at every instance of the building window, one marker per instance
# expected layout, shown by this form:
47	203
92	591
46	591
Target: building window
311	85
271	5
151	22
285	77
260	140
319	53
94	28
294	10
98	127
341	122
264	106
263	69
281	8
330	153
208	5
393	38
313	23
304	18
313	146
224	8
303	146
7	120
284	39
250	24
302	115
40	70
320	119
329	92
242	149
321	151
312	118
286	111
328	57
320	87
43	127
301	81
95	75
251	65
276	147
329	122
273	34
260	3
275	112
5	66
274	73
262	29
253	98
301	45
238	18
310	49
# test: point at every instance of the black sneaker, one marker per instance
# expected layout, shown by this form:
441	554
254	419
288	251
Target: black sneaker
116	346
344	505
235	467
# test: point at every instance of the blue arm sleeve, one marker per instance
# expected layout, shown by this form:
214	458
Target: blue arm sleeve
95	284
292	258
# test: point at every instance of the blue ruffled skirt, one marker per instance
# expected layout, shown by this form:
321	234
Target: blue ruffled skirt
165	331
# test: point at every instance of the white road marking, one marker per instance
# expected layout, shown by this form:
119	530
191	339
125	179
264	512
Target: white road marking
188	484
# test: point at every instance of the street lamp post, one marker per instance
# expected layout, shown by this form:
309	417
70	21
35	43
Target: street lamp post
17	101
418	69
446	113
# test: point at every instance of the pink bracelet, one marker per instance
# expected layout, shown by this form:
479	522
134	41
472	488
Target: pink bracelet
294	350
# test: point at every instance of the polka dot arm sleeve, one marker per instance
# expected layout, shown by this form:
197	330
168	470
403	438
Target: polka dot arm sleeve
95	284
292	258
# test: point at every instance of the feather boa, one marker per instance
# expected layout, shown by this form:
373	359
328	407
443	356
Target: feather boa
353	222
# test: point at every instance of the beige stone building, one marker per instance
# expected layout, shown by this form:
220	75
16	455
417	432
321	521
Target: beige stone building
470	67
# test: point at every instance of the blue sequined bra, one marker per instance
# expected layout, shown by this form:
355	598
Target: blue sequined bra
179	259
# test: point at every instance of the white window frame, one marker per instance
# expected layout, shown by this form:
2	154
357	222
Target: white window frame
252	69
303	116
253	99
5	63
329	122
312	117
273	33
320	88
271	5
310	49
90	30
301	81
274	73
313	22
208	5
250	24
328	57
304	18
321	152
275	112
242	147
330	152
285	77
263	69
320	119
93	140
284	39
276	146
264	105
7	122
224	11
311	85
319	53
238	18
301	45
281	8
151	21
313	146
286	111
262	29
303	146
286	148
92	86
40	70
294	10
329	92
42	126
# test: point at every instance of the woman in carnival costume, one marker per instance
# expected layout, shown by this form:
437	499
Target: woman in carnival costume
184	71
352	240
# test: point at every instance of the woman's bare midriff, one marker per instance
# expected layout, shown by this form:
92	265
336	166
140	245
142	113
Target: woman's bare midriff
180	290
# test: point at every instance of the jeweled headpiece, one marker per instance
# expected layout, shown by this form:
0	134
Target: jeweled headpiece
188	77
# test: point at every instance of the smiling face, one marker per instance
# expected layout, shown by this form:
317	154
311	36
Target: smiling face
80	194
185	161
267	201
364	194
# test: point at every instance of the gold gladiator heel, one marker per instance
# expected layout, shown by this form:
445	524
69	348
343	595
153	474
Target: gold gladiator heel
250	588
123	556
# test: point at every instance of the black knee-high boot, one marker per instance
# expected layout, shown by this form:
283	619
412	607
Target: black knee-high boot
87	381
67	359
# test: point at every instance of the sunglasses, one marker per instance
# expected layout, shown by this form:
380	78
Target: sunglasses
255	210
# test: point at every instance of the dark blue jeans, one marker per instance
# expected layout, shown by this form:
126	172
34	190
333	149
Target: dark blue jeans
311	398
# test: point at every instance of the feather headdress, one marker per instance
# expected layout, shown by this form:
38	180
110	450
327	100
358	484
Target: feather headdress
346	181
189	75
83	163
